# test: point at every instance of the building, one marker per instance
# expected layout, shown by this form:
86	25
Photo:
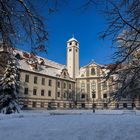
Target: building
45	84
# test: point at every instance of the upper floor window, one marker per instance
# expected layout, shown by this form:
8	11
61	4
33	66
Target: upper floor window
104	95
69	50
43	81
83	96
64	85
35	80
34	91
50	83
93	95
42	92
76	43
69	86
58	94
58	84
70	43
26	78
26	91
93	71
49	93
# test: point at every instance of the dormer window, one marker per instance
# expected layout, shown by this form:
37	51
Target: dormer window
76	43
70	43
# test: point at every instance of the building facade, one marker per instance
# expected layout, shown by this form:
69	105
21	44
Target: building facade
45	84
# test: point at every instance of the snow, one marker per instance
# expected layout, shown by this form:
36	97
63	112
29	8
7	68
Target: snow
70	125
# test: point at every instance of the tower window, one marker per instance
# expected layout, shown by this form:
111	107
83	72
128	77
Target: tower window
70	43
69	50
76	43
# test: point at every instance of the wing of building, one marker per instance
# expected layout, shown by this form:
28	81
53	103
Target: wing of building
45	84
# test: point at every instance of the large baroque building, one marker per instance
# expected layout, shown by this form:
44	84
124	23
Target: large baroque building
46	84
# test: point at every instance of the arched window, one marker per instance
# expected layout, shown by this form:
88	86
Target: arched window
93	71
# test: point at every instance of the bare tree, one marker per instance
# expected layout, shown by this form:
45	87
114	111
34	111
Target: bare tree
124	29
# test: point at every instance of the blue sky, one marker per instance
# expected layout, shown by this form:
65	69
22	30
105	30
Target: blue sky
86	26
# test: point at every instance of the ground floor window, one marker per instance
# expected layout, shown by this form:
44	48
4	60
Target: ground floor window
64	105
105	105
58	105
133	105
49	105
83	105
93	105
42	104
124	105
83	96
117	105
70	105
34	104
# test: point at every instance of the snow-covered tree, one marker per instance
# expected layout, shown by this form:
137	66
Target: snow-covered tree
9	88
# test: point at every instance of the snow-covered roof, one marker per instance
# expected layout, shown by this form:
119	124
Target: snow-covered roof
48	67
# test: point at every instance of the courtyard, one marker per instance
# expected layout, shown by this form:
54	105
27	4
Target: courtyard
71	125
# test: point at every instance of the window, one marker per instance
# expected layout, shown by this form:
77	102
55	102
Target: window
83	105
58	84
42	104
58	105
69	86
26	91
105	105
42	92
43	81
49	93
64	105
35	80
58	94
34	91
133	105
70	43
124	105
49	105
93	95
76	50
64	94
64	85
70	105
117	105
27	78
34	104
104	95
93	86
65	74
83	96
50	82
69	50
93	105
93	71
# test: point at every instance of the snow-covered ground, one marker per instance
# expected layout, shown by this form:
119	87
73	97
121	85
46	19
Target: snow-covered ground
71	125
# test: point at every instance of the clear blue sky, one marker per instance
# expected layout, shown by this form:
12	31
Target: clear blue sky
85	25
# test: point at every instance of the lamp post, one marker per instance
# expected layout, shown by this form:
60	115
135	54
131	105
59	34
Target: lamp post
93	96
